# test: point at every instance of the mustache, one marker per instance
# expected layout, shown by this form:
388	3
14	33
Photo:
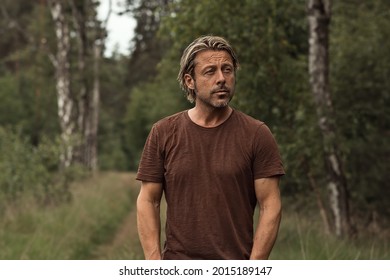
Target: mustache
222	88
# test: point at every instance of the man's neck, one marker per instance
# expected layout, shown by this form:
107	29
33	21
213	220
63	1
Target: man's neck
209	117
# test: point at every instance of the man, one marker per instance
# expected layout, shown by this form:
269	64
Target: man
214	164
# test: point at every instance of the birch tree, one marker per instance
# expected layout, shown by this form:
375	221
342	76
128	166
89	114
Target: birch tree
89	92
78	110
61	62
319	16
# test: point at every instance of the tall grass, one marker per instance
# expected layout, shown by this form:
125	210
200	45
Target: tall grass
302	237
103	207
71	230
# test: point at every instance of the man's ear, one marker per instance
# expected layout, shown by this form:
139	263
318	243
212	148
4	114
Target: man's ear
189	81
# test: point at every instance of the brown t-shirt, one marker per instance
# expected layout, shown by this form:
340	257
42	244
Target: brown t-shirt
208	179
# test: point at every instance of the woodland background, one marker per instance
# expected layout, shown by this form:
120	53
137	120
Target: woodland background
69	115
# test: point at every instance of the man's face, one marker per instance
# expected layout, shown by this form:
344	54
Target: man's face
214	78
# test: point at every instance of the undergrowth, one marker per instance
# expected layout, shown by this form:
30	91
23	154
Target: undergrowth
70	230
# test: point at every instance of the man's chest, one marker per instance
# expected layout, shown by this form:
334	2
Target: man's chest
210	153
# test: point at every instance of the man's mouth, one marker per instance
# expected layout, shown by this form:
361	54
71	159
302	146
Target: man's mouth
222	91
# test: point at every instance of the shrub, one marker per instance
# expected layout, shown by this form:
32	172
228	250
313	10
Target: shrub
29	171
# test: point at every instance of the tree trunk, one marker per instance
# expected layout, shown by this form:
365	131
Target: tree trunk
64	98
89	85
319	15
93	120
78	114
80	19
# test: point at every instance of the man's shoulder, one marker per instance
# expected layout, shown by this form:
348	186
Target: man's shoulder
247	120
171	120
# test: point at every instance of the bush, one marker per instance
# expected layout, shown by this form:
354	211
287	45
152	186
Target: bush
31	172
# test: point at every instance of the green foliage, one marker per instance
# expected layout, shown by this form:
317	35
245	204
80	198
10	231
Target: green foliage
12	110
21	166
262	34
360	51
147	49
32	172
27	95
28	103
271	40
272	84
149	103
114	96
111	151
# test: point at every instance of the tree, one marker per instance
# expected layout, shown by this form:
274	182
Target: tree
89	92
27	100
359	55
61	62
147	48
319	16
78	112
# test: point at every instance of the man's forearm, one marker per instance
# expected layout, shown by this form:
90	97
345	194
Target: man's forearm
149	229
266	233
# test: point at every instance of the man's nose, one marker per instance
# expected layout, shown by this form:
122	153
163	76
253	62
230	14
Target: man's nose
221	79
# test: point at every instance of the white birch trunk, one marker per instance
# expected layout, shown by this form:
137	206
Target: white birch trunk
319	15
64	98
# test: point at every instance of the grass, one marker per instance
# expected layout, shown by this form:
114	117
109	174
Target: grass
69	231
100	223
301	237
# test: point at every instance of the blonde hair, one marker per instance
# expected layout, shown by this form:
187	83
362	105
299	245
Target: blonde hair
187	61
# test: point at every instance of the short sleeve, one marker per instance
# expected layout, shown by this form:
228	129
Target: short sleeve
267	161
151	166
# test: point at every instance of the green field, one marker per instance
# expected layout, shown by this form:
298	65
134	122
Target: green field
100	223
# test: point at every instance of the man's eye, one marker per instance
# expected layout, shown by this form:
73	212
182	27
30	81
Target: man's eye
228	70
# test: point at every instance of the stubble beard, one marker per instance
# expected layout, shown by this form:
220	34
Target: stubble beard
218	103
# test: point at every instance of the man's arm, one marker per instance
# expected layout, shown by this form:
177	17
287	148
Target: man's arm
268	196
148	219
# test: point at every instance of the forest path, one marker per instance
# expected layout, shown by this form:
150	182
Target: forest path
125	242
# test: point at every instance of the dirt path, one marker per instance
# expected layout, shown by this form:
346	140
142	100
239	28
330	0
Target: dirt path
125	243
